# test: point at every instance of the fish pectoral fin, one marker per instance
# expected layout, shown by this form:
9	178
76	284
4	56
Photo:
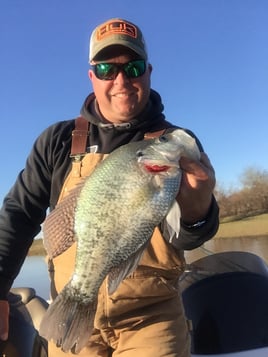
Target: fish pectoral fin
173	221
119	273
157	181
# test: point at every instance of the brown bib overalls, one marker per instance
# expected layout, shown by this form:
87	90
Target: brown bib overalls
145	316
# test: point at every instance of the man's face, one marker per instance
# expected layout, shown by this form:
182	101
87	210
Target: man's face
122	98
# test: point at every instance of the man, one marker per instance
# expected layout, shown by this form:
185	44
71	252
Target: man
145	314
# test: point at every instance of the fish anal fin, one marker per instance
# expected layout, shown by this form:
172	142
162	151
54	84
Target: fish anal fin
119	273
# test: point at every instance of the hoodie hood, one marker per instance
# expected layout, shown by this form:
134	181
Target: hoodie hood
152	115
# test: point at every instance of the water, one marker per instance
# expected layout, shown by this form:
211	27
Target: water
34	271
34	274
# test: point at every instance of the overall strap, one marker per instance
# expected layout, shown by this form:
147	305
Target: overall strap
79	137
154	134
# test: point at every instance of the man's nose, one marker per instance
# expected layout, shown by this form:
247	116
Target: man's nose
121	77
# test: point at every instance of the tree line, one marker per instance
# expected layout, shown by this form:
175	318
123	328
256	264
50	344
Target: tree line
249	200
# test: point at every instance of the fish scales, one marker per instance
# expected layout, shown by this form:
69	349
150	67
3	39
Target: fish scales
117	209
126	196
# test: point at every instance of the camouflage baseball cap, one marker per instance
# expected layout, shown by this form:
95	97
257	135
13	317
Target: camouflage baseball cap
117	32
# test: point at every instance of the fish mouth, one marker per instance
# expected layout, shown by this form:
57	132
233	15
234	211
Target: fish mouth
163	161
157	167
162	164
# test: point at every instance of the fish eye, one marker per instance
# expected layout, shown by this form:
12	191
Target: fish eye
139	153
163	139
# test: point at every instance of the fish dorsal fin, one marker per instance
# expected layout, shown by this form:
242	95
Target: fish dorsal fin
58	228
119	273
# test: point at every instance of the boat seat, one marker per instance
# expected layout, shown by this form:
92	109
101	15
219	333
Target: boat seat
26	312
229	312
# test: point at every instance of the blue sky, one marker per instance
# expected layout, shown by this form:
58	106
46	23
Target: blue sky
210	60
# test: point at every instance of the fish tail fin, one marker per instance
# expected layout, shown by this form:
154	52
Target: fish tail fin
69	321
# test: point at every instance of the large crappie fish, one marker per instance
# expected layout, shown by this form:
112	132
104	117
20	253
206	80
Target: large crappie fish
117	208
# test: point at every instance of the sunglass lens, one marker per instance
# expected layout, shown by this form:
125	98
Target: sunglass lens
106	71
135	69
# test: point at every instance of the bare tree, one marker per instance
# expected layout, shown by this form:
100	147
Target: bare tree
251	199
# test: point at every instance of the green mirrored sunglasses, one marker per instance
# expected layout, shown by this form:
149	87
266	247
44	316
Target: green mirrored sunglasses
109	71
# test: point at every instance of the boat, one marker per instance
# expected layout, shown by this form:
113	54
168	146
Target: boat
26	312
225	296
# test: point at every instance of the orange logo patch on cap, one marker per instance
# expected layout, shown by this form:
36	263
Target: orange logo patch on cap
116	28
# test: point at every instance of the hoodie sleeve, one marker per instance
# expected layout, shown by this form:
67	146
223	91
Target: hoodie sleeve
24	207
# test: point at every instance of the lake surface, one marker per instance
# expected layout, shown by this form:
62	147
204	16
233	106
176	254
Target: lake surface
34	271
34	274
